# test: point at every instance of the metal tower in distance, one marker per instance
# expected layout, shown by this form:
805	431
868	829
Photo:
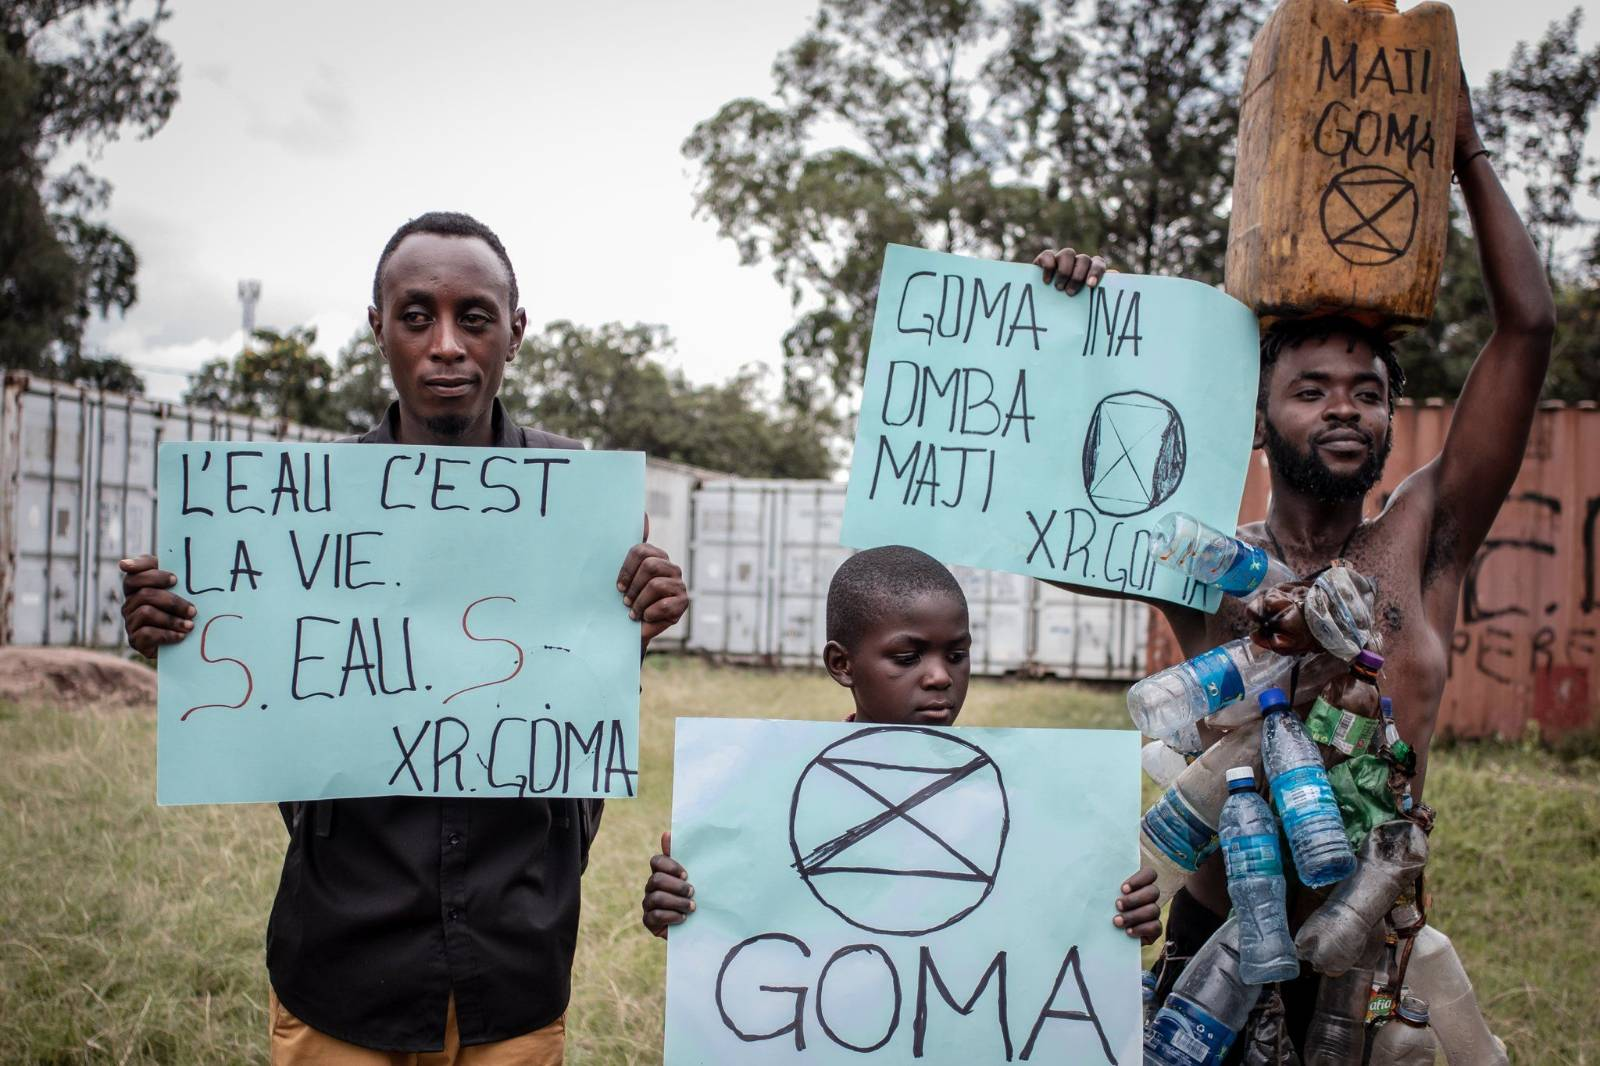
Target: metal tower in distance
249	296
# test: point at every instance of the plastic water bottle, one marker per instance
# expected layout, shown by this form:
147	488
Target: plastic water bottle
1391	857
1397	747
1206	1009
1212	557
1405	1039
1338	1032
1249	835
1179	831
1147	992
1302	795
1162	763
1170	699
1435	974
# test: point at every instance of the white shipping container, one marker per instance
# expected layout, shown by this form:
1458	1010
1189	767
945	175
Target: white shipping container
764	551
78	493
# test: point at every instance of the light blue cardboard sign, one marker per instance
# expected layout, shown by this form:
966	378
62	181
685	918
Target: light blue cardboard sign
1009	426
398	621
872	894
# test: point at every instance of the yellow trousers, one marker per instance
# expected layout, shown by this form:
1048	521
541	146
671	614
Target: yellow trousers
294	1043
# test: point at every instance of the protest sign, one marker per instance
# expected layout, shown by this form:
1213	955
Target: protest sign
883	894
1009	426
398	621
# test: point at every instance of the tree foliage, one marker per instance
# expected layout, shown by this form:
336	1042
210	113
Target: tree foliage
278	376
978	129
606	386
1536	116
71	72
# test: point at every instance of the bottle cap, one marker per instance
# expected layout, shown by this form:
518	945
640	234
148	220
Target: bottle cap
1241	776
1413	1010
1368	660
1273	698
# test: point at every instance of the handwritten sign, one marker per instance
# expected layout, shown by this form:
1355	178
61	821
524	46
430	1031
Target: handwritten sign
900	894
410	621
1006	425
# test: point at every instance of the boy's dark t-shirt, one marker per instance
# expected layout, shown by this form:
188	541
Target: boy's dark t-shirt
387	905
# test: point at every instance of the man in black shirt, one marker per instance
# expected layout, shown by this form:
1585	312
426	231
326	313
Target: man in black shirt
410	925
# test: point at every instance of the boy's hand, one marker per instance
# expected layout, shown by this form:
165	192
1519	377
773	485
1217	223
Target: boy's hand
652	588
152	615
1138	912
1070	270
668	895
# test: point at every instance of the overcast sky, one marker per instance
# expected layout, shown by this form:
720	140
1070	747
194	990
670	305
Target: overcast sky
307	132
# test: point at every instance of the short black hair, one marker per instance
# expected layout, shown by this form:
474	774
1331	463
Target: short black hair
871	582
1290	333
443	224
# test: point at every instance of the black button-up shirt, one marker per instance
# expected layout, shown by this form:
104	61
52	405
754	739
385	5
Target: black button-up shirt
387	905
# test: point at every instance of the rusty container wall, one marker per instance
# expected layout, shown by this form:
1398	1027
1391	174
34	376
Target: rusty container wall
1524	648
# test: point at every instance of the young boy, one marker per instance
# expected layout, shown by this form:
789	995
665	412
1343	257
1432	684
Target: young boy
898	640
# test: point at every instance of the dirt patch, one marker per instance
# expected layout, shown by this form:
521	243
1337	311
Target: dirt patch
73	678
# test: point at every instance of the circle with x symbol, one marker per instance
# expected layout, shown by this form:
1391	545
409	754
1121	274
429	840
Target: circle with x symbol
1134	454
899	829
1369	215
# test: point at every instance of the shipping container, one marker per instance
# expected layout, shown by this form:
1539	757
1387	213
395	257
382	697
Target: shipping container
78	493
763	552
1524	647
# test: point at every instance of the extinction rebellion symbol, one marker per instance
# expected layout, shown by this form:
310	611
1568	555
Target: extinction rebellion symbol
899	838
1369	215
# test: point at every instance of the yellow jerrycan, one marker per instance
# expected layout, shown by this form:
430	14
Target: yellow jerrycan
1342	186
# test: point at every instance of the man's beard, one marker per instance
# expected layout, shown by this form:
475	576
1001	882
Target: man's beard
447	425
1307	474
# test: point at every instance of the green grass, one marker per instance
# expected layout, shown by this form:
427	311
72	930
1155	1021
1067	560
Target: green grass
133	934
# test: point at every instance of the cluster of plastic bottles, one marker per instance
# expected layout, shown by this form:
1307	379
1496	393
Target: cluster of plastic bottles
1213	801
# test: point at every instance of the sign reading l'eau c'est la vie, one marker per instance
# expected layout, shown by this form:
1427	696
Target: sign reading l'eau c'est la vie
404	621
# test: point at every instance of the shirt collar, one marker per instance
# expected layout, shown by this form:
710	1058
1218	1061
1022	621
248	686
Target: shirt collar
507	434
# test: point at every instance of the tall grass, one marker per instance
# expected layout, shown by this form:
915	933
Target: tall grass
134	934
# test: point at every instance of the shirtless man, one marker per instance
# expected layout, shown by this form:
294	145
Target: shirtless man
1324	419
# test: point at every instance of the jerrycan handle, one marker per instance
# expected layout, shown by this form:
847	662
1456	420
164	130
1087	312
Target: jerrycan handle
1376	7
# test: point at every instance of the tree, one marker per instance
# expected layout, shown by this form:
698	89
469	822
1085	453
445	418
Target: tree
71	72
278	377
605	386
362	388
953	125
1535	116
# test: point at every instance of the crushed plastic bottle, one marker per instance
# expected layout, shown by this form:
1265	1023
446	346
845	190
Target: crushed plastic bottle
1179	831
1162	763
1435	974
1147	993
1207	1008
1249	835
1166	701
1212	557
1338	1032
1302	796
1405	1039
1333	937
1345	718
1339	611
